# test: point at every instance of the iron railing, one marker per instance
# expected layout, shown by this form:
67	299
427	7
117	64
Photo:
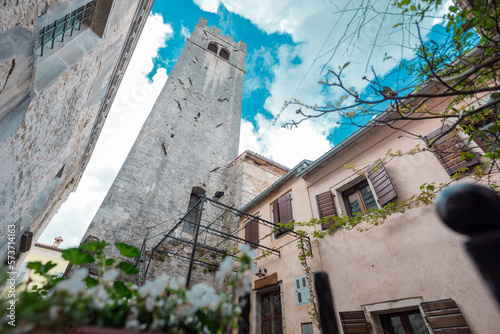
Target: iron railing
62	26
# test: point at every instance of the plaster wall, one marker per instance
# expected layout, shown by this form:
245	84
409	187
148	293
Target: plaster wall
288	265
49	106
44	255
409	255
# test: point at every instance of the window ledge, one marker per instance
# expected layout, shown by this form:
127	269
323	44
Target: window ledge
64	56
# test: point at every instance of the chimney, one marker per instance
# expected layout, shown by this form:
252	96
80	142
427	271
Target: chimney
57	242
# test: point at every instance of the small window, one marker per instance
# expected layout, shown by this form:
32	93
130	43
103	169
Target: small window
213	47
66	25
189	225
224	54
410	322
359	199
302	294
307	328
252	232
282	212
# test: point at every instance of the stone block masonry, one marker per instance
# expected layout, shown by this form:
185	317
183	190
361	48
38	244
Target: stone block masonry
52	107
187	141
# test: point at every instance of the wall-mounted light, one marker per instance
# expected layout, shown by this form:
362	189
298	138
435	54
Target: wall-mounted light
218	195
261	272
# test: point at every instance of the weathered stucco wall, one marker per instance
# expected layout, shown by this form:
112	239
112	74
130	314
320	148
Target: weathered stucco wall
49	105
287	266
409	255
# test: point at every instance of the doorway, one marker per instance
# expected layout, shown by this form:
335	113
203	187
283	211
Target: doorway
271	315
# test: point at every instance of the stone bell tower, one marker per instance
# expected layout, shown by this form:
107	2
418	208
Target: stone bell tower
182	149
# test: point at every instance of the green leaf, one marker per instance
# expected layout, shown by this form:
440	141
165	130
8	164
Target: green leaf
39	268
77	256
472	136
397	25
91	281
109	262
453	9
94	246
127	250
493	129
128	268
322	82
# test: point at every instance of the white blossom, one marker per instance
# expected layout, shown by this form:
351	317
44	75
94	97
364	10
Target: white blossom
75	284
225	269
227	309
110	275
247	250
202	296
244	285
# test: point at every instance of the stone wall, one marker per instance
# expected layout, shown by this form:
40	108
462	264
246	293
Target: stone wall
49	105
250	174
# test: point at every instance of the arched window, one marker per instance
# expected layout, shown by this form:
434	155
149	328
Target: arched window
224	54
213	47
189	225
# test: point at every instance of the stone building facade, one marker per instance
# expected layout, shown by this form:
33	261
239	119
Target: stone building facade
55	92
182	151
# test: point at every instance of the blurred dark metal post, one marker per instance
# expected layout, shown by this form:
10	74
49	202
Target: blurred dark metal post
244	322
327	319
475	211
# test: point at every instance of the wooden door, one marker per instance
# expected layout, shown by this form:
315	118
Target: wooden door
271	319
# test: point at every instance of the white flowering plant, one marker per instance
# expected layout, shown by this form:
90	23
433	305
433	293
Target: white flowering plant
161	305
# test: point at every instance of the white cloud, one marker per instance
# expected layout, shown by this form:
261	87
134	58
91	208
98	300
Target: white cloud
331	33
185	31
287	147
131	106
208	5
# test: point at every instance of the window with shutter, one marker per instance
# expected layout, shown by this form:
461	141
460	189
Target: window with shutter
444	316
326	208
359	198
448	148
302	294
382	185
252	233
282	213
354	322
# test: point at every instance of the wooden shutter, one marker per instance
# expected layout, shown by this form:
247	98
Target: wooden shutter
354	322
252	232
326	208
447	150
302	294
444	317
276	216
382	185
282	212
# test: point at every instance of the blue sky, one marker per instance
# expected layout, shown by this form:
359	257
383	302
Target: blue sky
290	46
